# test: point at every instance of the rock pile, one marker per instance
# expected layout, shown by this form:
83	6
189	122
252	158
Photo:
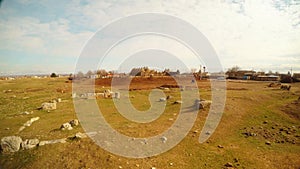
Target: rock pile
69	125
272	132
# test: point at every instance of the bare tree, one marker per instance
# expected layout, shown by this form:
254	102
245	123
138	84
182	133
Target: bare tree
89	73
234	69
193	70
102	72
79	75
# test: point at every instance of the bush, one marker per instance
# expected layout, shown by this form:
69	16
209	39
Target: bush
53	75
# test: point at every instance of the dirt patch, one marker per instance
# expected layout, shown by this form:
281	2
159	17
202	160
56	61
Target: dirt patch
34	89
293	109
274	133
231	88
143	83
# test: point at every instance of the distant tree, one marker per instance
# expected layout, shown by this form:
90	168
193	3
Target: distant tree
111	72
102	72
79	75
53	75
234	69
89	73
270	72
70	76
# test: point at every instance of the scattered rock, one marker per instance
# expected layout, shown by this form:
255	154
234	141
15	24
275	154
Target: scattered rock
80	135
153	167
10	144
74	95
208	133
31	143
74	122
21	128
26	113
171	164
162	99
164	139
220	146
204	103
116	95
28	123
178	102
268	143
229	164
66	126
265	122
48	106
7	91
107	93
169	97
63	140
59	100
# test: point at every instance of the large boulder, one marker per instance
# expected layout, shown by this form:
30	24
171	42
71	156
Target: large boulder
202	103
48	106
10	144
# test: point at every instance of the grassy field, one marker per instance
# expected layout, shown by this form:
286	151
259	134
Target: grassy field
253	115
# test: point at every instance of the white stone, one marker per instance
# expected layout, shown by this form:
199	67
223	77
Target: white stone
162	99
80	135
31	143
48	106
164	139
74	122
66	126
11	144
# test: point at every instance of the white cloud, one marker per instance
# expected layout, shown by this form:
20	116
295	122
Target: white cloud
251	34
50	39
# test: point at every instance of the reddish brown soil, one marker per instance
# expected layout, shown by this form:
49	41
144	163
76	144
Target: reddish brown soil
143	83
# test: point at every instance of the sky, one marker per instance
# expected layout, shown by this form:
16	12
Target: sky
44	36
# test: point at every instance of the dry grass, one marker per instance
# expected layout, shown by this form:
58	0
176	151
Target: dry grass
248	105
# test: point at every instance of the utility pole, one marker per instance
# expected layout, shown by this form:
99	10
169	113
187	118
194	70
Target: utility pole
200	73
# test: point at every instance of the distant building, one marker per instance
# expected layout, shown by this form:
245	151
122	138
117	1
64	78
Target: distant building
267	78
241	74
296	77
